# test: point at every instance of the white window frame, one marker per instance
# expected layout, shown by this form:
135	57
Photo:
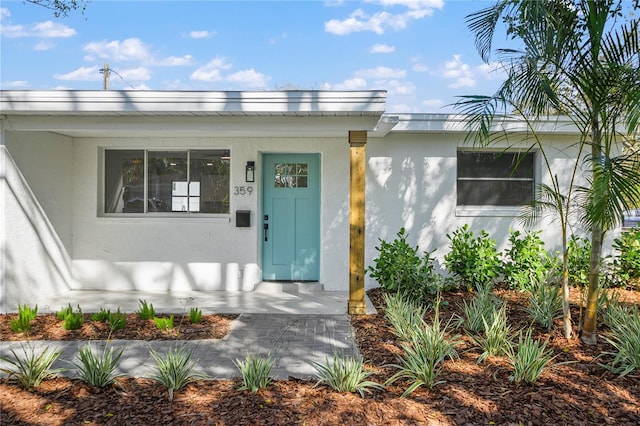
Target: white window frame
147	215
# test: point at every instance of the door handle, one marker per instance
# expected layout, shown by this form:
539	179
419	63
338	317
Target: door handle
265	227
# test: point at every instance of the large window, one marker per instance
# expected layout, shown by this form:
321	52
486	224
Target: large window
194	181
495	178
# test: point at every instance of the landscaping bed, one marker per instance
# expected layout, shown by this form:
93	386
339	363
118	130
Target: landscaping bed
580	391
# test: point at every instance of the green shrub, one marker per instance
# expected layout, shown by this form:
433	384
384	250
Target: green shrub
472	260
579	252
175	369
496	339
525	260
26	314
479	310
399	268
31	369
345	374
405	315
626	263
625	338
255	371
73	320
146	311
97	370
164	323
545	303
195	316
529	359
424	355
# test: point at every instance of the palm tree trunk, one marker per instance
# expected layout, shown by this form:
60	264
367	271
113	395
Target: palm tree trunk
566	309
589	335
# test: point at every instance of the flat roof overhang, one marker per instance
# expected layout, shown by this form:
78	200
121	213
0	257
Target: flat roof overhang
191	113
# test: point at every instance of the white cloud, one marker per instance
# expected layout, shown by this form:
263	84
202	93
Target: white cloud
350	84
381	73
433	103
249	78
137	74
491	71
211	71
176	61
382	48
48	29
459	72
379	22
399	88
200	34
81	74
131	49
420	68
16	84
4	13
44	45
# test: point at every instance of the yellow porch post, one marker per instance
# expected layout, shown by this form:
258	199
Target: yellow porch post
357	157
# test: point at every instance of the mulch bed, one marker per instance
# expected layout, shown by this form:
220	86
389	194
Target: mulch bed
49	327
579	392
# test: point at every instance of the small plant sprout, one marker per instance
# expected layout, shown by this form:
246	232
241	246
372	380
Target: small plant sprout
164	323
146	311
97	370
345	374
73	320
117	320
255	371
32	368
22	324
545	303
625	338
101	316
175	369
63	312
195	316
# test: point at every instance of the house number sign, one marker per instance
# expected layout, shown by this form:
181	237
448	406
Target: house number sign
242	190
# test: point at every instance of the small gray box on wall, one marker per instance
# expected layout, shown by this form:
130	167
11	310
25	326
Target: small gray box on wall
243	218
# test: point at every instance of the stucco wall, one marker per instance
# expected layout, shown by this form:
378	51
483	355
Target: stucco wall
198	253
35	174
411	183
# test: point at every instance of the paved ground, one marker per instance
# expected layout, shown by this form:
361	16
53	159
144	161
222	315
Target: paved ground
294	339
299	322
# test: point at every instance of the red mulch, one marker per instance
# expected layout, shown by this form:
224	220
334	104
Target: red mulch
578	393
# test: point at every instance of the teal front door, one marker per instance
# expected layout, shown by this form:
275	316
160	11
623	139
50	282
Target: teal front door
291	217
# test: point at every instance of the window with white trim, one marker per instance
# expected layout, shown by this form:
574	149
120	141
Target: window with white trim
503	179
169	181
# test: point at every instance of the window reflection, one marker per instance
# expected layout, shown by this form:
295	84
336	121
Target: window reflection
291	175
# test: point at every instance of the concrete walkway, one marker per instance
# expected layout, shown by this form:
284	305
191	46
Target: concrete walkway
297	323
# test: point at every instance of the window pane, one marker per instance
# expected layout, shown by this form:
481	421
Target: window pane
495	164
291	175
494	193
209	181
124	181
167	171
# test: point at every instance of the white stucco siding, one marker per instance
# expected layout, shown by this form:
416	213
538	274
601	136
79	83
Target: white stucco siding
198	253
411	183
36	228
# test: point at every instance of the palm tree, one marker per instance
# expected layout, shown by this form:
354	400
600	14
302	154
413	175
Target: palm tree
580	59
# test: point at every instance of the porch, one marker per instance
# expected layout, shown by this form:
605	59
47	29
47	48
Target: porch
267	298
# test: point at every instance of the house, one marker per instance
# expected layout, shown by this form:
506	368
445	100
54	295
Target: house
218	191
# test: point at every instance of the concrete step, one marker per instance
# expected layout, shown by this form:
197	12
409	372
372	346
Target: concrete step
269	287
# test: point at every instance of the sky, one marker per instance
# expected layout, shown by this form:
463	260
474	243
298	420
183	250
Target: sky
420	51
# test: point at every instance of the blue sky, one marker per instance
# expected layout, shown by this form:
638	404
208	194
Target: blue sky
421	52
